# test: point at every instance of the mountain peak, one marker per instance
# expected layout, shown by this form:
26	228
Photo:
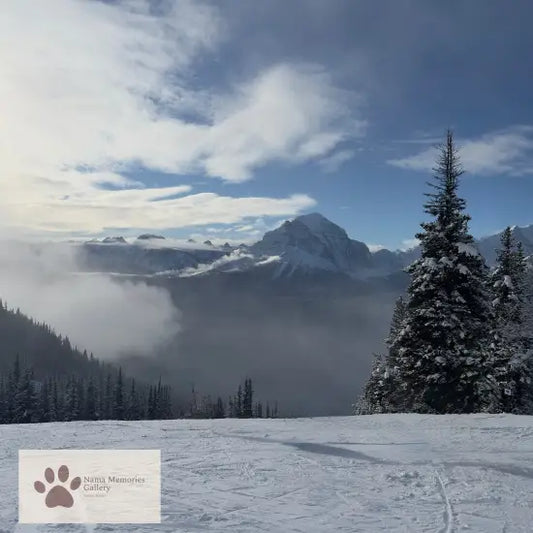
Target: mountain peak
318	223
149	236
311	242
114	240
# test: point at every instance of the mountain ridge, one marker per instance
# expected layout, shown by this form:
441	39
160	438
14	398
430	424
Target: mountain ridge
308	245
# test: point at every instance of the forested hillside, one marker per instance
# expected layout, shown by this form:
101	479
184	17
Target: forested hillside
43	378
41	348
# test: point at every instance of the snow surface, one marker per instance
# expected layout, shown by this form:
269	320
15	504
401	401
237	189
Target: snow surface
388	473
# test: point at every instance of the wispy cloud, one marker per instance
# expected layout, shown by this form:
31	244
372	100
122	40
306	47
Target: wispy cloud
248	233
375	247
115	87
505	152
333	162
409	244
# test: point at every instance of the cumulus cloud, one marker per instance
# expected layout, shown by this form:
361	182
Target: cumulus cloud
505	152
99	89
96	312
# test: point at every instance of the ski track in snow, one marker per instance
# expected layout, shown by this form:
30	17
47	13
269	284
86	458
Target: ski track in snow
386	473
448	512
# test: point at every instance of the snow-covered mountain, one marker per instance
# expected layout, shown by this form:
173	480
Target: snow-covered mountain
311	246
308	246
488	245
314	243
146	255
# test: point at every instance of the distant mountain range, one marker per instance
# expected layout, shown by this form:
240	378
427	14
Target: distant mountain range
308	246
301	311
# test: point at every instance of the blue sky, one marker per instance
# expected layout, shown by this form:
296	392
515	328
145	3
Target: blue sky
220	120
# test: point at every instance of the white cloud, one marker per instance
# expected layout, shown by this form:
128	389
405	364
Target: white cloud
335	161
89	89
290	112
248	233
409	244
505	152
143	211
375	247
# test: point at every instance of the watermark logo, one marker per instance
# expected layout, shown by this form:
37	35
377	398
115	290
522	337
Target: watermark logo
58	495
89	486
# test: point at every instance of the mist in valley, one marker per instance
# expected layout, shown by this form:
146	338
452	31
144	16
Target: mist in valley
311	353
306	343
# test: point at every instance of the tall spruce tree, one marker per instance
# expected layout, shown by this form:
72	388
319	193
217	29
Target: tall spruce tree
381	392
374	399
510	346
91	409
3	401
118	404
441	348
247	401
238	402
133	411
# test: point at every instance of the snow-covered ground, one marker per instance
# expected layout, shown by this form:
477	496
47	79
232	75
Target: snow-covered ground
386	473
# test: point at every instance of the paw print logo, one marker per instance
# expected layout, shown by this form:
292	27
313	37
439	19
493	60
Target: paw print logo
58	495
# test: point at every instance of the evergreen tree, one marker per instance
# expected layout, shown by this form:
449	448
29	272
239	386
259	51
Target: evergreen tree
25	409
3	400
441	348
238	403
54	414
118	406
382	390
220	412
80	385
12	390
511	362
91	410
165	403
43	414
108	398
72	404
247	402
374	398
133	405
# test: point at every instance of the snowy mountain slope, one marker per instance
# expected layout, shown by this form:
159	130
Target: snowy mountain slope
384	473
312	242
146	255
488	245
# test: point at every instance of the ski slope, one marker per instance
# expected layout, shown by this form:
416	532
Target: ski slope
389	473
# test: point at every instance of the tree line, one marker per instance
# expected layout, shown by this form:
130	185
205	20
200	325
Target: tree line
54	381
110	396
460	341
239	405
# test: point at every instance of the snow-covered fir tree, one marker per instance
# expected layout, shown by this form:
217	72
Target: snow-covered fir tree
373	398
380	394
441	348
510	347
